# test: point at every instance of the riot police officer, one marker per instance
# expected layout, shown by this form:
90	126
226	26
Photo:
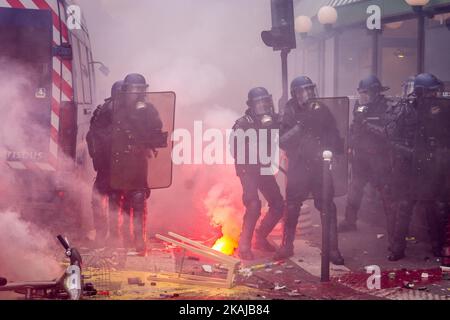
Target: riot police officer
402	130
137	133
99	146
259	116
369	164
308	129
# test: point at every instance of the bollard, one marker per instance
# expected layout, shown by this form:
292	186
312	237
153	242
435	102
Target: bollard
326	183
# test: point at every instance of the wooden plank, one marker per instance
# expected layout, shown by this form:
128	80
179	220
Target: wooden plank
193	249
202	246
190	282
192	276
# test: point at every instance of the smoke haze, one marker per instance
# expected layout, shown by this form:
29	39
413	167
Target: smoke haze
210	53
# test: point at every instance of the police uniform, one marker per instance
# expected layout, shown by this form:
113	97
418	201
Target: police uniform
252	179
315	131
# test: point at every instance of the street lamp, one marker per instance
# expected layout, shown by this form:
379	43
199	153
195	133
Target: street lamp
303	25
417	5
327	16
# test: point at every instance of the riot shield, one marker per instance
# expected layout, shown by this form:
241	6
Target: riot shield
140	146
340	109
431	159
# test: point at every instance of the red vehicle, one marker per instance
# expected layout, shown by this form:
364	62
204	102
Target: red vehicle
46	54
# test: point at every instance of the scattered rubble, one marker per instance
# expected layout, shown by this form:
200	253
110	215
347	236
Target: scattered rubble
207	268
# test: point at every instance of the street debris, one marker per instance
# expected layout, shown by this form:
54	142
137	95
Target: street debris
193	258
279	287
136	281
207	268
380	236
408	285
278	272
252	285
294	293
425	276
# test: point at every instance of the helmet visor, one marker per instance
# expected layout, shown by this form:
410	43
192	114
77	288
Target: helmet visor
134	88
263	106
364	97
304	94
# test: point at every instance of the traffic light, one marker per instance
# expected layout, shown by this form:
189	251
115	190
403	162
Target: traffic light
282	35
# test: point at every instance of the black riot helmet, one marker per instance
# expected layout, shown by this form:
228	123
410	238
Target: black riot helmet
369	89
116	88
428	85
134	83
261	106
303	90
133	89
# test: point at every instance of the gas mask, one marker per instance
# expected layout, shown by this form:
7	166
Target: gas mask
305	94
367	96
132	95
263	111
408	89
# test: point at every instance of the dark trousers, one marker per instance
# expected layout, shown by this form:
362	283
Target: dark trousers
366	168
268	186
436	214
129	203
305	178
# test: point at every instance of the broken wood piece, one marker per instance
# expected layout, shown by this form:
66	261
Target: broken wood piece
229	262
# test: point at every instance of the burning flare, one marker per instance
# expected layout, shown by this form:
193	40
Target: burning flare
226	245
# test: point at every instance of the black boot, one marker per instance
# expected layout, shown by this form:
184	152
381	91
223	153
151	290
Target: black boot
137	201
403	218
347	226
286	250
436	214
267	225
396	256
349	223
250	219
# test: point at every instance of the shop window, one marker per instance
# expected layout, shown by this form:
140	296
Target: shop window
354	60
437	48
398	54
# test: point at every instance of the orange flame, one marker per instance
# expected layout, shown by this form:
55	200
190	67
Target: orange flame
226	245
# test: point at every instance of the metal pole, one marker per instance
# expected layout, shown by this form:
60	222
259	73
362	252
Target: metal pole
325	266
375	45
284	76
421	43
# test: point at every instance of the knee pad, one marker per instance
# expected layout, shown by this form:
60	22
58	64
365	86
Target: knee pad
293	209
137	200
277	207
114	199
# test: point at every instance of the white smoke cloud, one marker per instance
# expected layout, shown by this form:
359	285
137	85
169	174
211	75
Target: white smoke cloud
27	253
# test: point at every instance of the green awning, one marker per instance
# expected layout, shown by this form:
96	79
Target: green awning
338	3
354	12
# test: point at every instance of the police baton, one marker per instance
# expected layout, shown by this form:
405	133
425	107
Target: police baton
325	267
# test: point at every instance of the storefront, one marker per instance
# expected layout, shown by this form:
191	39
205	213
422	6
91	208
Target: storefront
338	56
